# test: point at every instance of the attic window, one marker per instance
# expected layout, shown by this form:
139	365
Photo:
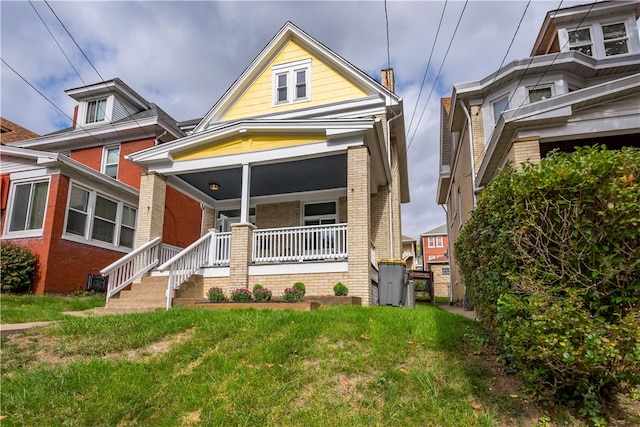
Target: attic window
291	82
615	39
580	40
96	110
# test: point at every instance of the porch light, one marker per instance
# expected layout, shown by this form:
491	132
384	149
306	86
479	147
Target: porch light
213	186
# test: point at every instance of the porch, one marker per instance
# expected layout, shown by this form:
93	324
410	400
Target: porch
275	257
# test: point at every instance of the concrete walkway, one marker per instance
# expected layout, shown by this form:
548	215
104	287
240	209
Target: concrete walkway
458	310
14	328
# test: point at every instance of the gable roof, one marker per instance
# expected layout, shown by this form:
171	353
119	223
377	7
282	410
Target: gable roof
290	33
438	231
12	132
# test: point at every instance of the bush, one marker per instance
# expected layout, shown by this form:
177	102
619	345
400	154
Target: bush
241	295
17	267
262	294
340	290
420	285
256	287
551	263
216	295
292	295
300	286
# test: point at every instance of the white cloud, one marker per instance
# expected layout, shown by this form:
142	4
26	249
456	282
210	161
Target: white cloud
184	55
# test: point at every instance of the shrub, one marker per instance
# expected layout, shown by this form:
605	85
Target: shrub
216	295
340	290
300	286
420	285
292	295
262	294
256	287
551	261
241	295
17	265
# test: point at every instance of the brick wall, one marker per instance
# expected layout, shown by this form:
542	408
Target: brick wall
478	135
316	284
380	222
275	215
524	151
149	225
440	281
182	219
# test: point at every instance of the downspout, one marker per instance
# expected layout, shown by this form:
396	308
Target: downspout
157	140
390	184
471	155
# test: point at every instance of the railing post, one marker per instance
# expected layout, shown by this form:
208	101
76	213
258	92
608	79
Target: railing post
213	248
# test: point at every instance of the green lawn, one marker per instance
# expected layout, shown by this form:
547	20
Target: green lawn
35	308
343	366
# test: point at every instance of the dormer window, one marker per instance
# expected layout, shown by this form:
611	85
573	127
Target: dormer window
291	82
615	39
96	110
580	40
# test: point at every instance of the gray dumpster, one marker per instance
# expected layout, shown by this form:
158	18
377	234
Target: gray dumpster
392	282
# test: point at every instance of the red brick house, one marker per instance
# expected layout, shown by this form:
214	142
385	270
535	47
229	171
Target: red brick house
73	197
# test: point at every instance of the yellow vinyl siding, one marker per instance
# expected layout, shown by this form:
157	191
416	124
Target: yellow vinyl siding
249	144
327	86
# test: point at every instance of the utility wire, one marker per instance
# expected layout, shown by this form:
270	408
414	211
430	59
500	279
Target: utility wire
424	78
438	75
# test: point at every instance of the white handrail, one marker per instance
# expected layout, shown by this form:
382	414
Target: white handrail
318	242
210	249
131	267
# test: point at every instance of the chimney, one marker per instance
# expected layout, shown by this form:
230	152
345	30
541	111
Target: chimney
387	79
75	116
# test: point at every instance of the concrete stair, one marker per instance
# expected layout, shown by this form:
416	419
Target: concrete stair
150	295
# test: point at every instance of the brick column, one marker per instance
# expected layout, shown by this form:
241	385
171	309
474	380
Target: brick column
395	201
241	244
358	215
477	127
208	220
526	150
153	189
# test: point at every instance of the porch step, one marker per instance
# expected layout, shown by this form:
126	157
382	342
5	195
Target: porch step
147	295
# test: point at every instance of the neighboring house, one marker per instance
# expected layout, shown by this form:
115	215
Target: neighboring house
11	132
581	86
409	252
299	172
74	200
435	252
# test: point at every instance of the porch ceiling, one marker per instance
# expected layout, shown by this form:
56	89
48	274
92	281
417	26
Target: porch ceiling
319	173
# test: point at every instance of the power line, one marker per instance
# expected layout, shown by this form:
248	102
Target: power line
438	75
424	78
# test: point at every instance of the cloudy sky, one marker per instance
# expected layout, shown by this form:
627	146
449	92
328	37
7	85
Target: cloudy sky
184	55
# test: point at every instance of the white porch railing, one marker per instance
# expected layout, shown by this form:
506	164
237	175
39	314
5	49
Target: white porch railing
318	242
131	267
168	252
211	249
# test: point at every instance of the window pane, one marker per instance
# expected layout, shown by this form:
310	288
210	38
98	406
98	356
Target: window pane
313	209
300	77
100	109
539	94
111	170
79	199
580	36
91	112
282	80
38	204
500	106
112	155
106	208
616	47
102	230
613	31
128	216
282	94
76	222
126	237
20	207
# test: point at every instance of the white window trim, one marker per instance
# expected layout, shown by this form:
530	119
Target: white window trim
431	242
105	151
86	237
335	217
10	205
626	38
592	41
83	107
439	242
290	69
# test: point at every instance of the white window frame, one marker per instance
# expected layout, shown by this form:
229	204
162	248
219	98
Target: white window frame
581	45
496	117
539	87
439	242
105	160
605	41
323	219
83	110
86	236
34	232
290	70
431	242
446	271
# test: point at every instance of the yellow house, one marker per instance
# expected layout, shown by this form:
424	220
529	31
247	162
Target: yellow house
300	170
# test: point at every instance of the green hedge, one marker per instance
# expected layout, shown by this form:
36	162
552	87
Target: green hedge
551	263
17	267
